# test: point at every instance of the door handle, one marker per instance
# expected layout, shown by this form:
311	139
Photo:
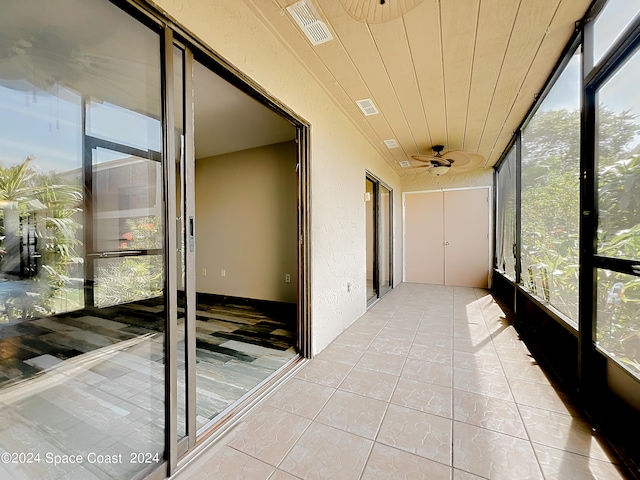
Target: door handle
192	235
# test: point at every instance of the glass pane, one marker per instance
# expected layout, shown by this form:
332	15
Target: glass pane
127	279
618	318
178	67
127	202
619	164
385	238
550	195
372	284
506	217
76	379
612	21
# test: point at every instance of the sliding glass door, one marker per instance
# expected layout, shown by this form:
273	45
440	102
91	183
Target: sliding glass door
107	356
82	253
378	221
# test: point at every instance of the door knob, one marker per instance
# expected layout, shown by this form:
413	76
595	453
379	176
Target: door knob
446	243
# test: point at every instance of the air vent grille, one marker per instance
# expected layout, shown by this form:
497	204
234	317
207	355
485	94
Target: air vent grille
405	164
305	16
367	106
391	143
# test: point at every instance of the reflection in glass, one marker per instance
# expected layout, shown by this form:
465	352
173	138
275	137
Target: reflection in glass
550	195
506	217
612	21
81	257
619	164
127	203
618	318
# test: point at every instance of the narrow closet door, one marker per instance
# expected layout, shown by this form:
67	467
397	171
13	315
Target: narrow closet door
466	237
424	237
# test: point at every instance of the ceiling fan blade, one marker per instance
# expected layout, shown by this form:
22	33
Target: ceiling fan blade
424	158
458	157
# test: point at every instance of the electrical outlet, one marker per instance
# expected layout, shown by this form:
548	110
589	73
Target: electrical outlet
287	278
223	273
204	272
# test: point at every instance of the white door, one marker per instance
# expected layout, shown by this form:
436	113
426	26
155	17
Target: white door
424	237
447	237
466	238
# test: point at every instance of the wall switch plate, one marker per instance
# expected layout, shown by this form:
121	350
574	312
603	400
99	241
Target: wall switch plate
204	272
223	273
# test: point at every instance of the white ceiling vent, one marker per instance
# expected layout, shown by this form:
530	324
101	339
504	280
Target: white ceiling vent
391	143
367	106
405	164
304	13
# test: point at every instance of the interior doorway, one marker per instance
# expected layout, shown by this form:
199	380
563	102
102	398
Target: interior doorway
246	261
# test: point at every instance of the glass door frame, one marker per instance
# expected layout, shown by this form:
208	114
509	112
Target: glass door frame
180	451
377	229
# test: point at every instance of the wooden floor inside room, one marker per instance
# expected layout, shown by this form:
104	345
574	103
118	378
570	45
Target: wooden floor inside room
93	380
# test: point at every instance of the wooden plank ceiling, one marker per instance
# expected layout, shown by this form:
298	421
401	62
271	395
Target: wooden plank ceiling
462	74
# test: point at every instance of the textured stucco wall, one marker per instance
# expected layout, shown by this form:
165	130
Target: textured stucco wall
426	181
340	155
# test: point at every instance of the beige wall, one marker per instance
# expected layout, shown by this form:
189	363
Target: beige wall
246	223
340	156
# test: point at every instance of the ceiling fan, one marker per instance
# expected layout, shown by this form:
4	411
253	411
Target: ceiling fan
440	164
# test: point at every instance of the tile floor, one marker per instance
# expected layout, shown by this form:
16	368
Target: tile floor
431	383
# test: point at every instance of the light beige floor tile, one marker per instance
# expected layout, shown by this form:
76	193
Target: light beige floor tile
352	339
330	374
341	354
301	397
513	354
429	372
426	397
371	320
540	396
480	347
417	432
440	327
472	330
369	383
390	463
268	434
478	363
562	431
390	345
462	475
399	335
230	464
529	371
488	412
353	413
482	383
559	465
281	475
382	362
493	455
325	452
433	340
431	354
